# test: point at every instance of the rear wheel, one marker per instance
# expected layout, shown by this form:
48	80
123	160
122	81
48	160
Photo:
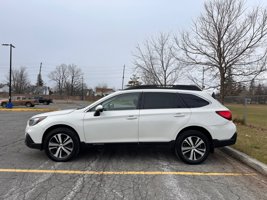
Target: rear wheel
28	104
3	105
192	147
61	144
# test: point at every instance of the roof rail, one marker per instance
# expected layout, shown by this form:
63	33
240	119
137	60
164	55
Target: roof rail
177	87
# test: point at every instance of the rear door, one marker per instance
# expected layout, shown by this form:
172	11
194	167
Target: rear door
161	116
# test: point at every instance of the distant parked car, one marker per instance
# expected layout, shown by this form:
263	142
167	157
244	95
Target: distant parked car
19	101
43	100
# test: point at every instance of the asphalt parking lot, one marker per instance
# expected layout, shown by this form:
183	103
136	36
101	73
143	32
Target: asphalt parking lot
117	172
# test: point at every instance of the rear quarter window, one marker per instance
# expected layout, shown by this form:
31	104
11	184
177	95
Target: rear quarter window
193	101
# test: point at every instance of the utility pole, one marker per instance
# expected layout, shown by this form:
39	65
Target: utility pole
10	105
123	77
82	88
39	77
40	68
203	78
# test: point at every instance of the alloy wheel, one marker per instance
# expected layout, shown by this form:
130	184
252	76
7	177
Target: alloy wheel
193	148
60	145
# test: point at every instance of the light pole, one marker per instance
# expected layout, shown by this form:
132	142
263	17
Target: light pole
9	105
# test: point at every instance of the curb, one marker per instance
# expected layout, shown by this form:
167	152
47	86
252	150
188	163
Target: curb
251	162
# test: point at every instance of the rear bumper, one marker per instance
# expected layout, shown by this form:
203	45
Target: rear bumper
222	143
29	142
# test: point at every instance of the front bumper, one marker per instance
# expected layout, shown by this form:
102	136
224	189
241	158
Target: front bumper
222	143
29	142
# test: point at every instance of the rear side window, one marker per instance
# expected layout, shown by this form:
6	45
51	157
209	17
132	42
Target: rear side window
193	101
159	100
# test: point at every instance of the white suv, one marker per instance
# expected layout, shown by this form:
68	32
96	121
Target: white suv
185	117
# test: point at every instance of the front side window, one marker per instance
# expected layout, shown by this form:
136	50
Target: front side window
127	101
161	100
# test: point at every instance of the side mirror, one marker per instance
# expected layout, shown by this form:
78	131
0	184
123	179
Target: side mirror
98	110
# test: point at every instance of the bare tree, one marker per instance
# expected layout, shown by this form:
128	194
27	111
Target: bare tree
60	76
228	40
155	63
20	80
68	79
75	78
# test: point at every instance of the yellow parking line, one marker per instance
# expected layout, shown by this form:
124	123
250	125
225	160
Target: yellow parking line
125	172
27	109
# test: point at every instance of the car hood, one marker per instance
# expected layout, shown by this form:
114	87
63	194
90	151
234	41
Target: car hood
60	112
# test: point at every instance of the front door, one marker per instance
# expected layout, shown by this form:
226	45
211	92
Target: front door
117	123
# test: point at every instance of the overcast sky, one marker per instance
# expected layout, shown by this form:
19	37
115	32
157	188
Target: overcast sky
99	36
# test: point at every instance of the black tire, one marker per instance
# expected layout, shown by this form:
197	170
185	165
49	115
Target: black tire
61	152
4	105
192	147
28	104
46	103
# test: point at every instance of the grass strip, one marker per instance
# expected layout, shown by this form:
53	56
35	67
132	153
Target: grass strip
252	141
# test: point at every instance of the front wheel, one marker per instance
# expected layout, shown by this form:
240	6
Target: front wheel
192	147
4	105
61	145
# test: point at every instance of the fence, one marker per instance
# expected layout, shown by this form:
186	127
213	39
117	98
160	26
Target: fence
248	109
256	99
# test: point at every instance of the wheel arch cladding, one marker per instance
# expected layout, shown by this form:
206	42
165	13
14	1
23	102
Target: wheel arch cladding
59	126
202	130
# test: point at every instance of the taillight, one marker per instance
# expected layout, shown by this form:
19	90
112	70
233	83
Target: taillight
225	114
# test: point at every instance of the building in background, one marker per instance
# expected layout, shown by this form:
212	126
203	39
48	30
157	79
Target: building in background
102	91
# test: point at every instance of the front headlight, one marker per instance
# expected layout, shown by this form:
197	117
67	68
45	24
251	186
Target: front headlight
36	120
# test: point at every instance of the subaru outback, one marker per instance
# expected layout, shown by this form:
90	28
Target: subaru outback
183	116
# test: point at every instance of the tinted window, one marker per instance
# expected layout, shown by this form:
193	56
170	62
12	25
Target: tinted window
157	100
193	101
121	102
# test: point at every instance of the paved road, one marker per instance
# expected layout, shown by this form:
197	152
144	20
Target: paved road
91	181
